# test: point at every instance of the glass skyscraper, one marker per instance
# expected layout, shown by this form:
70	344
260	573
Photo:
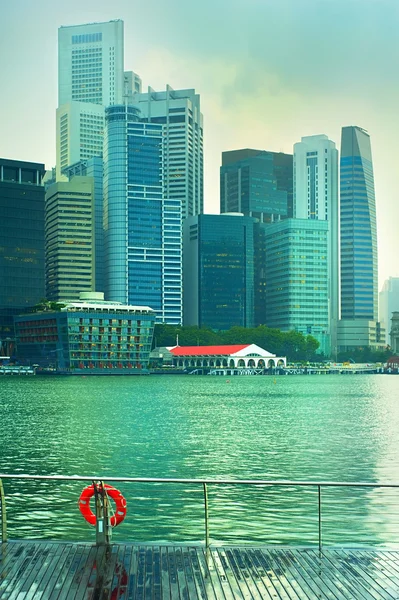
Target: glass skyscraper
142	227
180	113
219	271
297	278
256	183
21	240
359	261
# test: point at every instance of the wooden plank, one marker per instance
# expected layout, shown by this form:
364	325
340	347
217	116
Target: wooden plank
66	575
54	571
268	590
19	569
356	588
316	578
289	577
373	580
34	583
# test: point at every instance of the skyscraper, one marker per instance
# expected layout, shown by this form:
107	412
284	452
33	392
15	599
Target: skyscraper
359	261
21	240
219	271
90	77
142	225
69	239
297	278
179	111
256	183
316	199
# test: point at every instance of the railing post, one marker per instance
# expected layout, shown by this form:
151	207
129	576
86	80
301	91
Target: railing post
103	525
319	502
3	514
206	516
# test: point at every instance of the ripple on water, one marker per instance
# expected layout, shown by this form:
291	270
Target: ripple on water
304	428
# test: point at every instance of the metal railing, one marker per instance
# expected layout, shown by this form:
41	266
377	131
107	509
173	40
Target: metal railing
318	485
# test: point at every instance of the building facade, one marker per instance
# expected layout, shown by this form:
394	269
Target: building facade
142	235
89	336
179	112
297	278
388	304
70	243
90	77
21	240
257	183
218	285
359	261
316	199
94	168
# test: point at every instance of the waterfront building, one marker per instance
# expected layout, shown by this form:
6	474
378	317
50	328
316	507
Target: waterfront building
90	77
297	278
142	236
69	223
179	112
93	167
388	303
394	332
89	336
316	199
359	261
241	356
257	183
218	255
21	242
360	333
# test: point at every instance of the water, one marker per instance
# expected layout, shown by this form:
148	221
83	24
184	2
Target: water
341	428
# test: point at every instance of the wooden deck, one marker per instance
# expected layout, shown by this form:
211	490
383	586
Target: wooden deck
69	571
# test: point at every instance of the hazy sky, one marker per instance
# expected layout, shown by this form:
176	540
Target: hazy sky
268	71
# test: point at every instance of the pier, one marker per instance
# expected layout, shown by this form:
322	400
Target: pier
57	570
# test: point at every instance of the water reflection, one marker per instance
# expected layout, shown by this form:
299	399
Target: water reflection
304	428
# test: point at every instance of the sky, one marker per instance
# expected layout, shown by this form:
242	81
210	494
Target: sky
268	72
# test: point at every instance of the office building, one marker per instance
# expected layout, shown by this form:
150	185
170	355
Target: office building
21	241
90	77
316	199
80	134
180	114
69	222
297	278
257	183
388	304
359	261
90	63
142	226
94	168
219	271
89	337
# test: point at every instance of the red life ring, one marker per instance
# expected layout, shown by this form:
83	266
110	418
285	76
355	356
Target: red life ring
84	504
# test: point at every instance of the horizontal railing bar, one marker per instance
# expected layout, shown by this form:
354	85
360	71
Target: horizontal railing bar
266	482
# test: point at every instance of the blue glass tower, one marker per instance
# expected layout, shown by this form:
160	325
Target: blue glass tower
142	228
359	260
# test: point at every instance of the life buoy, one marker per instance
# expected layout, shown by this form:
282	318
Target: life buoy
84	504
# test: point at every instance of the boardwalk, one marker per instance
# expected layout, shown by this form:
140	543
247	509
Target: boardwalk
68	571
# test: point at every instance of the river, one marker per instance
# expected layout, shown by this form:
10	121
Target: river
339	428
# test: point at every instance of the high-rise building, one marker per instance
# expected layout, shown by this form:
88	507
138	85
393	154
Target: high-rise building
179	112
90	63
69	221
94	168
90	77
21	240
297	278
388	304
219	271
316	199
256	183
359	262
142	226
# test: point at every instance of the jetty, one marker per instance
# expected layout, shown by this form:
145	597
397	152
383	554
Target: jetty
56	570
